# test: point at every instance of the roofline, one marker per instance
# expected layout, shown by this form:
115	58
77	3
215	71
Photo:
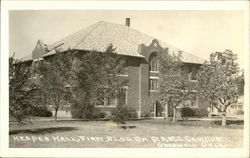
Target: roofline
192	63
139	56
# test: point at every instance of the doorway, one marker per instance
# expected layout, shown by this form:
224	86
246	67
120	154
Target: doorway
158	109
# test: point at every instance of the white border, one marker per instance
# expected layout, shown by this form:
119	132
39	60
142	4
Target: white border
110	152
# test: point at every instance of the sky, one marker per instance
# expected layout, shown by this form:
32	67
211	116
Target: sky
197	32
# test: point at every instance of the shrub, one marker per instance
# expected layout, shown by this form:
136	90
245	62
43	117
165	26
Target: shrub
98	113
132	113
240	112
41	111
187	111
81	108
76	110
147	107
120	114
200	112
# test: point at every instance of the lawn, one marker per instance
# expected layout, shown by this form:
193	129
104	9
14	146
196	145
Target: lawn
139	134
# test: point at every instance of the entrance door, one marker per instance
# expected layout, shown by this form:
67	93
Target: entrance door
159	109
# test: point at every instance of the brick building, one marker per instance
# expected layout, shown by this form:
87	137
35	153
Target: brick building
140	51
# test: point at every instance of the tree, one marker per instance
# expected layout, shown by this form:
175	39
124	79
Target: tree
240	82
173	81
217	81
56	76
96	79
21	90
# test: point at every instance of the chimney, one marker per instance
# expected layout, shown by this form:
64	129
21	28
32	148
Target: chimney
128	22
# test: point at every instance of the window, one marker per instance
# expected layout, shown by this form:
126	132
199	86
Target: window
154	63
193	73
111	101
191	102
100	99
153	84
123	97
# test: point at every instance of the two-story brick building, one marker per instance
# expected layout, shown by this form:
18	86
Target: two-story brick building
140	51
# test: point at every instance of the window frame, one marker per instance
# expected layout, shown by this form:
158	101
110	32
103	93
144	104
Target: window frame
106	101
192	70
153	58
195	101
155	85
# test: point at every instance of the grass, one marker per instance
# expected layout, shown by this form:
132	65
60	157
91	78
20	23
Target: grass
140	134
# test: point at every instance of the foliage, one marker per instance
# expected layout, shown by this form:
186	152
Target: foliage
240	82
132	112
96	78
79	110
174	85
98	113
148	107
57	74
120	114
217	81
75	109
187	111
240	112
41	111
200	112
21	91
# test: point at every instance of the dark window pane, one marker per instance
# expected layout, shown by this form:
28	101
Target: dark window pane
154	63
193	73
111	101
123	97
153	84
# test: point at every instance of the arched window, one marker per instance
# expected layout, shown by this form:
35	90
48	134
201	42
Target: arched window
154	63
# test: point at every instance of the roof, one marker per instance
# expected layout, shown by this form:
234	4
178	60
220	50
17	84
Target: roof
125	39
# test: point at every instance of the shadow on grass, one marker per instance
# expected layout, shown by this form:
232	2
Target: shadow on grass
42	130
229	122
127	127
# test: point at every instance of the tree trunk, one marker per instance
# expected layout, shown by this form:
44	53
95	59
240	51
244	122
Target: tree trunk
174	115
223	119
56	109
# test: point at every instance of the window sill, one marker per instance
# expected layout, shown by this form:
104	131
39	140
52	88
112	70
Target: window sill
120	75
193	80
102	106
153	91
154	71
153	77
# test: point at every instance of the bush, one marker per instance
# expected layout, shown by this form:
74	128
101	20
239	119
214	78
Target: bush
187	111
132	113
98	113
76	110
39	111
240	112
120	114
148	107
81	108
200	112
